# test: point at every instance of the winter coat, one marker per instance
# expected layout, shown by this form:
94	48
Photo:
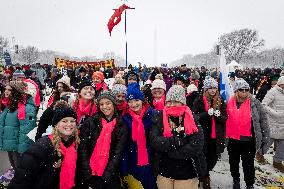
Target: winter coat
130	155
192	98
206	122
36	167
274	104
89	134
168	81
177	158
13	132
44	122
41	75
262	92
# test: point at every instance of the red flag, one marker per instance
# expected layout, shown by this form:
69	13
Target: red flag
116	17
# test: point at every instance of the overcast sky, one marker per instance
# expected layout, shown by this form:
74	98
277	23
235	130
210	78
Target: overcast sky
79	27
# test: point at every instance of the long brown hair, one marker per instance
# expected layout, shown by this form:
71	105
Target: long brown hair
213	101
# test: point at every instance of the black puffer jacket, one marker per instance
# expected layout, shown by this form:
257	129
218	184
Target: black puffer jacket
178	158
206	122
36	167
89	134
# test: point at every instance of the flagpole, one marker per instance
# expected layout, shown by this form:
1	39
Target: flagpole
125	41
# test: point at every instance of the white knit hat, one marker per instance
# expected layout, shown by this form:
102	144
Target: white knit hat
280	81
191	88
158	84
241	84
176	93
65	80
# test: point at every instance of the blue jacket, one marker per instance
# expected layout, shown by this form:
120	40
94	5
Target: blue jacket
130	155
13	132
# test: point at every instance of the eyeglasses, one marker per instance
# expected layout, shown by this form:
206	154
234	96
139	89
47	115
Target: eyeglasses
243	90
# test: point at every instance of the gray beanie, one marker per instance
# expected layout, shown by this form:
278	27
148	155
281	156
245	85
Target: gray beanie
119	88
209	83
176	93
109	95
241	84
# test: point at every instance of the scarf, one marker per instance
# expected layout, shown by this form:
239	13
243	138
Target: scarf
100	155
159	104
206	105
68	167
100	86
239	120
138	135
122	108
5	101
189	125
84	110
50	101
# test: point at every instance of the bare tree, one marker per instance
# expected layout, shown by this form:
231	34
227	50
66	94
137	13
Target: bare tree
239	43
3	43
29	54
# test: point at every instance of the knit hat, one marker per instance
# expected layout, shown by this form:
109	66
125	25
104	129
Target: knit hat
19	86
209	83
176	93
18	73
280	81
65	80
62	110
158	84
84	84
8	72
119	88
99	75
241	84
134	92
159	76
108	95
82	69
191	88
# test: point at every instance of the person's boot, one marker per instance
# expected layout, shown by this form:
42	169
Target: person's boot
260	158
236	184
278	166
206	183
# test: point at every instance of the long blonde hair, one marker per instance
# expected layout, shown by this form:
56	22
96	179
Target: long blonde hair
57	140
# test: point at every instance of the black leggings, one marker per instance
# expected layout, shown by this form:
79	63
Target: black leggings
245	150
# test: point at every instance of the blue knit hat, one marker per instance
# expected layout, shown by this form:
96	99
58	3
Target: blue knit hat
18	73
134	92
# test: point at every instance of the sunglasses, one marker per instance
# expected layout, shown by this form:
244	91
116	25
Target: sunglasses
243	90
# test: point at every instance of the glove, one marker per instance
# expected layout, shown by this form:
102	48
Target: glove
211	111
217	113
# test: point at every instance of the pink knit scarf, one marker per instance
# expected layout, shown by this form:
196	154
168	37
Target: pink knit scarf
159	104
68	167
100	155
189	123
84	110
138	135
122	108
213	132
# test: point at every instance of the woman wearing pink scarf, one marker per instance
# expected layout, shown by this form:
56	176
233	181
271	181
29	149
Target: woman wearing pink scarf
158	91
103	137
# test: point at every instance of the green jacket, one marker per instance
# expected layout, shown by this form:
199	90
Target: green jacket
13	132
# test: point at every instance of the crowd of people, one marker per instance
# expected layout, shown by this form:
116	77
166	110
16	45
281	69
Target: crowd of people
164	128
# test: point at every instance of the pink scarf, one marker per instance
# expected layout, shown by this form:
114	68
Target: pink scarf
68	167
84	110
138	135
122	108
239	120
213	132
189	123
100	86
5	101
50	101
100	155
159	104
21	108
